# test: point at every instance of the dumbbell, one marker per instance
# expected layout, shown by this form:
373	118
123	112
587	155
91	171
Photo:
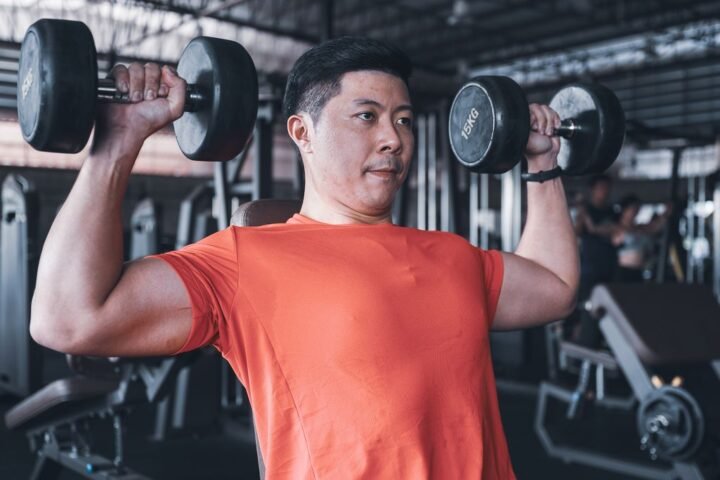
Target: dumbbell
58	91
489	125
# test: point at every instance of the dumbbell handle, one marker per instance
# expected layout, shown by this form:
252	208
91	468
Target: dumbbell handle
566	129
195	97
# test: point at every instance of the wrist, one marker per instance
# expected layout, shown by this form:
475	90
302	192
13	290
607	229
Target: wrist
116	142
114	153
542	176
541	163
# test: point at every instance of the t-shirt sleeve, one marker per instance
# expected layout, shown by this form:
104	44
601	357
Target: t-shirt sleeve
209	271
491	262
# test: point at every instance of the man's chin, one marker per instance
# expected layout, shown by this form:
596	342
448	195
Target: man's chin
377	206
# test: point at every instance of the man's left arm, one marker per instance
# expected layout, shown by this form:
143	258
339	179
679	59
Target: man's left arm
541	278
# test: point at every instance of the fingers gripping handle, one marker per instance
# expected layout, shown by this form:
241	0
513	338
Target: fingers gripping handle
195	96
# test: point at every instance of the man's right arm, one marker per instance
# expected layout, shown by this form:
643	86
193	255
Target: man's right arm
86	300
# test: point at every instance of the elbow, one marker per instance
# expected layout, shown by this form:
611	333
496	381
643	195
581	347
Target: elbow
49	333
568	305
567	302
49	330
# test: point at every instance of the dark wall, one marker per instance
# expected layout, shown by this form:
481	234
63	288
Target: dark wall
53	187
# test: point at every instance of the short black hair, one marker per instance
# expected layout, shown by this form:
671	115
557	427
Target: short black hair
606	179
315	77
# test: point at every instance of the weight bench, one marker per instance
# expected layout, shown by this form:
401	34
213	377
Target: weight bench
647	327
56	417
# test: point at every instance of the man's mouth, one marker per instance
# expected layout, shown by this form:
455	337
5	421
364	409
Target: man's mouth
385	169
384	173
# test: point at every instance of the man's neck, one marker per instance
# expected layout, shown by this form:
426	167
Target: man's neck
340	214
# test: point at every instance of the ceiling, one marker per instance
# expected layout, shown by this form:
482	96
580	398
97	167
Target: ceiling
439	34
448	40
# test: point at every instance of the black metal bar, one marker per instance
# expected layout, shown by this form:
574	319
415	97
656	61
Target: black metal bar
432	171
400	205
262	149
448	187
299	34
716	254
195	97
222	198
639	131
566	129
490	52
328	24
343	16
673	223
299	179
422	162
408	25
21	365
406	15
234	166
537	40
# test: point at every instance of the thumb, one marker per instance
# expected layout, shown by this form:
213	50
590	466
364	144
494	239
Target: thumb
176	90
555	144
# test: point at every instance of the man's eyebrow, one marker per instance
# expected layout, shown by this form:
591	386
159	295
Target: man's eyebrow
367	101
405	107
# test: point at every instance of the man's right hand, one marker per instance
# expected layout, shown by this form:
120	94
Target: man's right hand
157	96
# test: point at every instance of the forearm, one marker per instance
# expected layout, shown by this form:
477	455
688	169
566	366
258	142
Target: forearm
540	280
82	257
549	238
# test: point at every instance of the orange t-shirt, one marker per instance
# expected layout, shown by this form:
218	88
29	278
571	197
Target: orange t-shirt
364	348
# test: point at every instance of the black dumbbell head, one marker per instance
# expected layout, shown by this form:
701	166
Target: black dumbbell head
489	124
600	122
57	85
224	72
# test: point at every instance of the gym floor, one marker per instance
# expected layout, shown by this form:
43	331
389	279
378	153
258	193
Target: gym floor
231	456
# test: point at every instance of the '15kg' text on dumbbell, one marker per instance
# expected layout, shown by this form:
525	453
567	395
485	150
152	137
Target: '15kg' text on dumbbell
490	124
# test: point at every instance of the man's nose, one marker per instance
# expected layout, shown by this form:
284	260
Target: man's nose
389	140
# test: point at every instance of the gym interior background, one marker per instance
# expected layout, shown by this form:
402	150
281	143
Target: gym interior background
642	403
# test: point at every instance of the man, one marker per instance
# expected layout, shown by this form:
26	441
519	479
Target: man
596	223
363	345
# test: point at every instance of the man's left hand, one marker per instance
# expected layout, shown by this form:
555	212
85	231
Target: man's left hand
543	146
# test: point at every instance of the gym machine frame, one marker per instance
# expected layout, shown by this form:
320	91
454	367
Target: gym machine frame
629	362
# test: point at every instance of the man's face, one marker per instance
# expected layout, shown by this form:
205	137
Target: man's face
600	193
363	142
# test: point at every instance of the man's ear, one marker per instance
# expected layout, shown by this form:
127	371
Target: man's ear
300	130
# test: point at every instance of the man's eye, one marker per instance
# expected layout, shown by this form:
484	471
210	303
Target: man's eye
366	115
407	121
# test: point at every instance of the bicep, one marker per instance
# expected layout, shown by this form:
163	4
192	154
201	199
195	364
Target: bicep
530	295
147	313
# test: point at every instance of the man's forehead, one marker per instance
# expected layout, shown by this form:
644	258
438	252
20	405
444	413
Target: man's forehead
365	86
